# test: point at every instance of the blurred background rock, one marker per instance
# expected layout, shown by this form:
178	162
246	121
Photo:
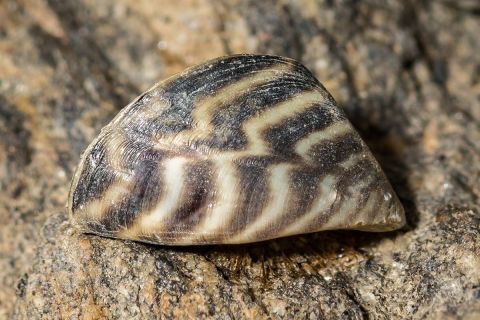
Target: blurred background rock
407	74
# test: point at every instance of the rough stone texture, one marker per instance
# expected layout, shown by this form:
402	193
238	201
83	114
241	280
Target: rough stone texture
406	72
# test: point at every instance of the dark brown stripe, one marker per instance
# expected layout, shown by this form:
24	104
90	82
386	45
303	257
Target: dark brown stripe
254	190
332	152
144	195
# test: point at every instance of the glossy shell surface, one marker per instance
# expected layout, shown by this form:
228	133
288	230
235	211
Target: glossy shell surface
239	149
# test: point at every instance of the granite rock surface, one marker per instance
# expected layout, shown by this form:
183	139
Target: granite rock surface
407	73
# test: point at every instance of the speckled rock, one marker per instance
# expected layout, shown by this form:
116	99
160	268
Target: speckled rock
407	73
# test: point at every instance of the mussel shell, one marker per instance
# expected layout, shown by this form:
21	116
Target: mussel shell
239	149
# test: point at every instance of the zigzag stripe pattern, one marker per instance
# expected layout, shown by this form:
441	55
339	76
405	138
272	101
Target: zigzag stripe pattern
239	149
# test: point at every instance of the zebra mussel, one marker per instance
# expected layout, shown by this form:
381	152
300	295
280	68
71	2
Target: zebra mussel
239	149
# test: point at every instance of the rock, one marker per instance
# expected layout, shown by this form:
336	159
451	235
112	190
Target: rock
405	72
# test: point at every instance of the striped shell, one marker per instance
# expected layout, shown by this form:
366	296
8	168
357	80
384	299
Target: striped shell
239	149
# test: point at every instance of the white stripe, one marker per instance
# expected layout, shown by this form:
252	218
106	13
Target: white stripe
173	184
336	129
203	111
255	127
278	198
325	198
96	208
220	212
